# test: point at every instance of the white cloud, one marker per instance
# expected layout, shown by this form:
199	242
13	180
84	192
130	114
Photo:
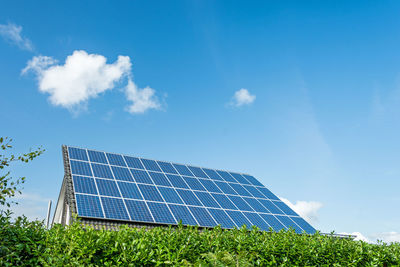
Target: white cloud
242	97
358	236
387	237
306	209
142	99
84	76
12	33
32	205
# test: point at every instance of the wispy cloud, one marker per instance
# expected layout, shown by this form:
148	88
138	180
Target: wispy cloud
242	97
32	205
306	209
85	76
12	33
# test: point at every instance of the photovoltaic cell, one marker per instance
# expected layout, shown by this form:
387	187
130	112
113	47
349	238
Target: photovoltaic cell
207	199
129	190
115	159
80	168
151	165
107	188
161	213
183	170
150	192
198	172
224	201
141	176
239	218
194	183
159	178
84	185
125	190
170	195
213	174
134	162
183	214
188	197
102	171
222	218
96	156
138	211
177	181
89	206
167	167
77	153
202	217
114	208
239	178
122	174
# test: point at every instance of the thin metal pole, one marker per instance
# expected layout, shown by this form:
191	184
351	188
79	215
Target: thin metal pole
48	215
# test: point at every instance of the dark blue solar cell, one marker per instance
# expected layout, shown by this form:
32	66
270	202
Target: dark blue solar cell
183	214
303	224
255	204
115	159
213	174
194	183
80	168
170	195
272	221
268	194
89	206
240	203
240	189
253	190
151	165
161	213
210	186
177	181
224	201
225	187
122	174
207	199
202	217
285	208
222	218
96	156
198	172
114	208
102	171
107	188
84	185
77	153
270	206
183	170
256	220
226	176
129	190
167	167
239	178
150	192
285	220
134	162
252	180
188	197
159	178
239	218
138	211
141	176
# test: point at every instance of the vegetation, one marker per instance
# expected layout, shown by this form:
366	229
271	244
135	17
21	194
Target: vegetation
30	244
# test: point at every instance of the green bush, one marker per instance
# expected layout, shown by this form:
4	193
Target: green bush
29	243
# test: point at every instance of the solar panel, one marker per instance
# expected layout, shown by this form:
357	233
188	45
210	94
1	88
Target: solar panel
118	187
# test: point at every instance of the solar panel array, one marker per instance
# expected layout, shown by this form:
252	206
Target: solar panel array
119	187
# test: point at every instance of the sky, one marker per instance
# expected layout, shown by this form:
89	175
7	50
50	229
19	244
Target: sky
304	96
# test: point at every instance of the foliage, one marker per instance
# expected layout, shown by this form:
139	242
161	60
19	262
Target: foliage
29	243
9	186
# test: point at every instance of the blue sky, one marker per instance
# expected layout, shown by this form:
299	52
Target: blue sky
317	121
